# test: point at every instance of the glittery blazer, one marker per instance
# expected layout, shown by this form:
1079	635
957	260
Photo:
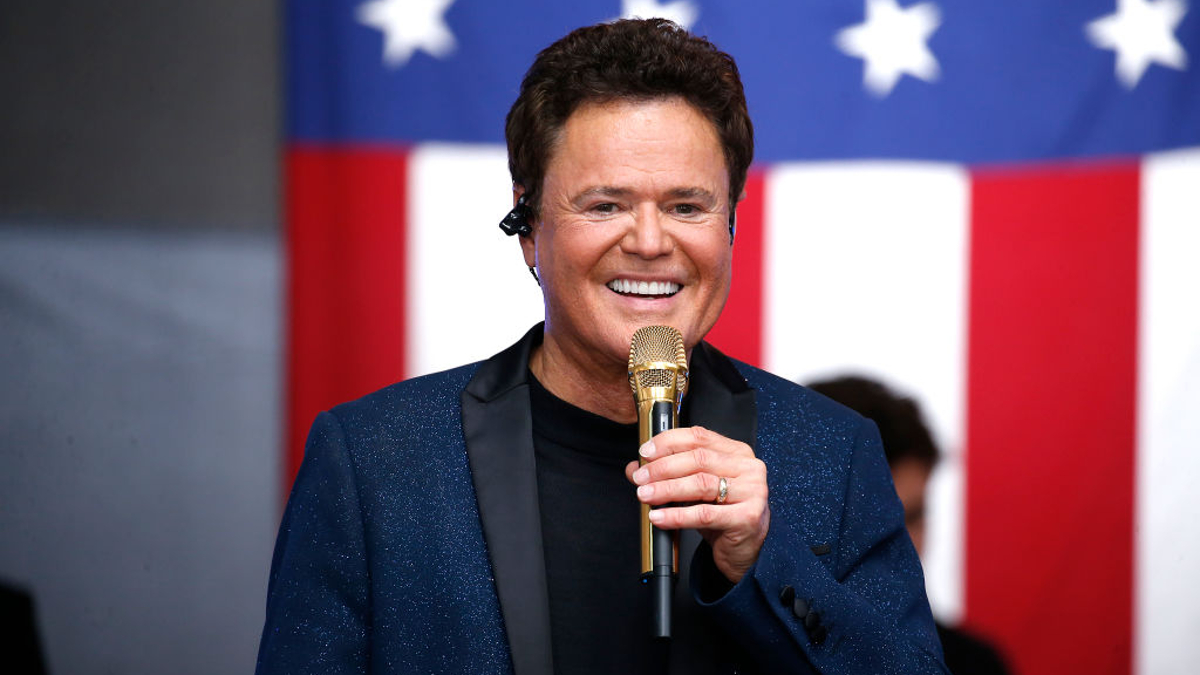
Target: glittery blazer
411	542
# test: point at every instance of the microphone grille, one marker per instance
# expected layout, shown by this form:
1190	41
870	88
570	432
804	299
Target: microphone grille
657	344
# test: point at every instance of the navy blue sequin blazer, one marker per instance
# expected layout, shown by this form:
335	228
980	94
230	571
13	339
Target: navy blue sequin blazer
411	542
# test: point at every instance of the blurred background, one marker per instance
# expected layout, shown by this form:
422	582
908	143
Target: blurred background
219	218
140	343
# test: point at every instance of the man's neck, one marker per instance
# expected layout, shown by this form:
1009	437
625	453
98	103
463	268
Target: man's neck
600	386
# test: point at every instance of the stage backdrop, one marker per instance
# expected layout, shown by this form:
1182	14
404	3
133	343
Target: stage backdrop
994	206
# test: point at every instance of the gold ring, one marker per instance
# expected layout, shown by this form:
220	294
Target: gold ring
722	490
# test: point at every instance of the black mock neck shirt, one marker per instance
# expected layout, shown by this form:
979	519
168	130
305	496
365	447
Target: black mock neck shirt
599	609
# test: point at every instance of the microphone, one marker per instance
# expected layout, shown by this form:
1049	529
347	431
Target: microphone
658	376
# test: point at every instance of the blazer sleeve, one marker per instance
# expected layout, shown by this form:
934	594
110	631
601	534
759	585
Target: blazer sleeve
318	596
858	608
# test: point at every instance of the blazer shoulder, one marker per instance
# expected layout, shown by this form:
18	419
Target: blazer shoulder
780	399
409	403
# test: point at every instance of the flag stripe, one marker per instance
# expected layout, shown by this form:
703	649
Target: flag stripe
1051	403
1168	543
866	273
346	283
873	282
739	331
471	293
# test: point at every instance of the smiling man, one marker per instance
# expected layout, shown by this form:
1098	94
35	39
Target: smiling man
485	519
632	232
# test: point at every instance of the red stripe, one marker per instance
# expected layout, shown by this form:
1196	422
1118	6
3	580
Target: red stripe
738	332
346	282
1050	424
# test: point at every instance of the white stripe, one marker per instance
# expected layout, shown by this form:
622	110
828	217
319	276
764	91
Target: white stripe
866	273
1168	501
470	294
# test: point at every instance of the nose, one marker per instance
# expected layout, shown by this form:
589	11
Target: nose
648	236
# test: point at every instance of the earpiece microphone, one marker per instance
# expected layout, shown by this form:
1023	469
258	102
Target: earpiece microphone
517	220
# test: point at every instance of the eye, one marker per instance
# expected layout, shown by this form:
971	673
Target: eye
686	209
605	208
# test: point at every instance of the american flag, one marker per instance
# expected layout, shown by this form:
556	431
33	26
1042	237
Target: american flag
994	206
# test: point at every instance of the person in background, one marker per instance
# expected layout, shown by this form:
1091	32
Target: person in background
912	455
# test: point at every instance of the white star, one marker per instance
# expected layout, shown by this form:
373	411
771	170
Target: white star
892	42
1141	32
409	25
681	12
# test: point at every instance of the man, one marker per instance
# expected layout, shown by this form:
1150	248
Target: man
912	455
484	519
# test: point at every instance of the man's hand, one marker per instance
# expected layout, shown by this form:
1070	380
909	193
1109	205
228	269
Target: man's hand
685	467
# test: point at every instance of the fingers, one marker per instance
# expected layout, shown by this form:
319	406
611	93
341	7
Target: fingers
697	516
680	473
698	487
710	517
699	461
682	452
687	465
687	439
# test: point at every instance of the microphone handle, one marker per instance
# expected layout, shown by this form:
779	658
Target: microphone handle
664	550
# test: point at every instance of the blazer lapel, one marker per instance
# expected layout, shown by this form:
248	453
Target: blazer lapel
497	427
718	399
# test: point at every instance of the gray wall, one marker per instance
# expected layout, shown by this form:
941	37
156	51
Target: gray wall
128	111
140	327
139	443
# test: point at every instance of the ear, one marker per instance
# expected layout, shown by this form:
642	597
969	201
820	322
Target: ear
733	216
528	242
529	250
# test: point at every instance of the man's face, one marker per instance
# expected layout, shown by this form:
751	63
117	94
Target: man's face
633	229
911	476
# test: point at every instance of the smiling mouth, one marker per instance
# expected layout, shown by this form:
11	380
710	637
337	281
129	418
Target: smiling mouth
650	289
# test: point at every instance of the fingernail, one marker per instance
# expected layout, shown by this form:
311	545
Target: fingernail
640	476
647	449
656	516
645	491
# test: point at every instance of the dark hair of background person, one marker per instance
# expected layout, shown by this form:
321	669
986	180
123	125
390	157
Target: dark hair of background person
906	439
640	59
901	425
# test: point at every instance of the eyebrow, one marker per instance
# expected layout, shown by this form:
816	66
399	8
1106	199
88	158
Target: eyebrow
602	191
676	193
693	193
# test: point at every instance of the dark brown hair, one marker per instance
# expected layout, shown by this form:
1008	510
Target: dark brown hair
637	59
901	424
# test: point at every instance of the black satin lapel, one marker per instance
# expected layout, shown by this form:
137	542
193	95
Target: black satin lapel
719	397
497	427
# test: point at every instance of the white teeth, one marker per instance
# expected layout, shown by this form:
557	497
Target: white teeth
644	287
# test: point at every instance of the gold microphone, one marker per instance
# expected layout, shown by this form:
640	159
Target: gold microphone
658	376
